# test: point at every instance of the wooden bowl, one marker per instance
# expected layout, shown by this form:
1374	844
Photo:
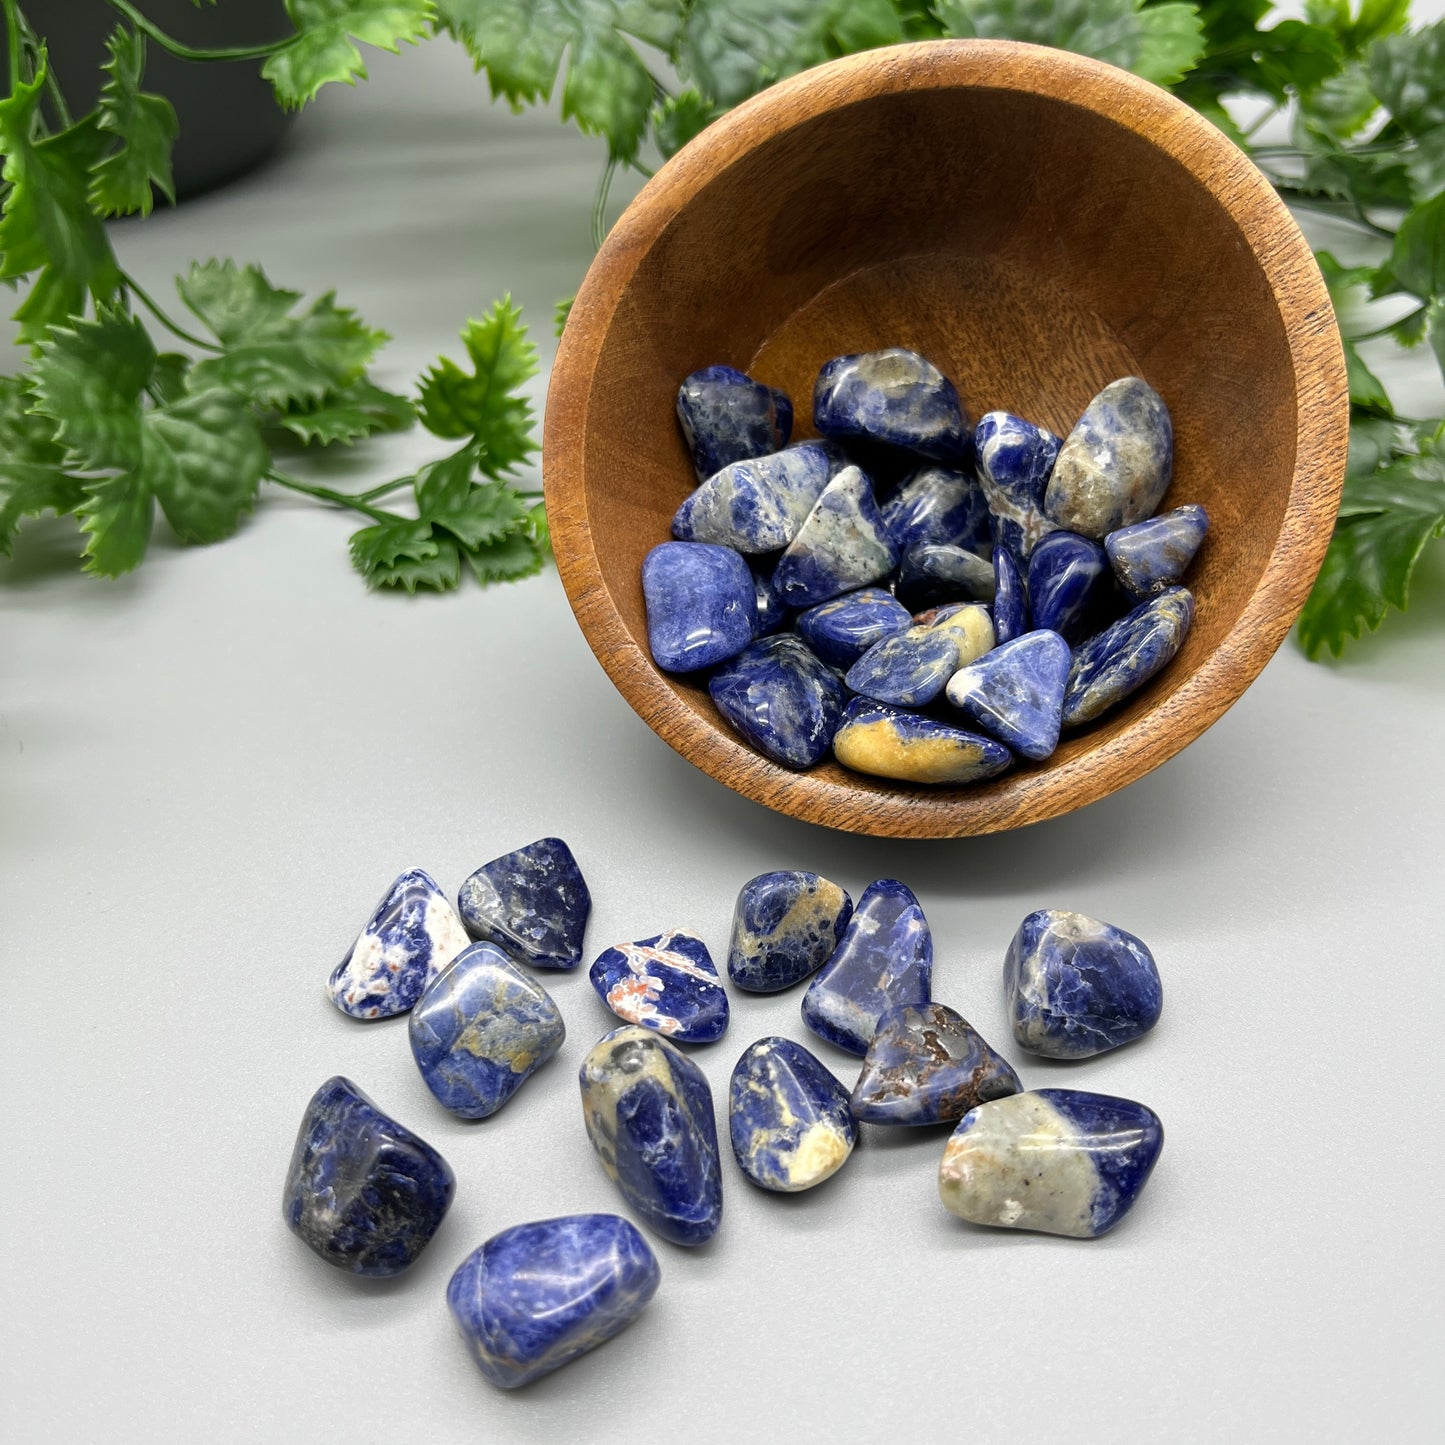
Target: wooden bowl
1037	224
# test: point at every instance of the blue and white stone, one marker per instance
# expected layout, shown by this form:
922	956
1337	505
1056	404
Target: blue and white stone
1078	987
895	397
1016	692
413	934
701	603
649	1115
758	506
938	505
842	630
1010	597
785	926
928	1065
668	983
538	1295
532	902
970	623
933	574
1155	553
892	742
480	1030
909	669
885	959
1015	458
788	1117
1123	657
727	417
842	545
1114	467
363	1191
1060	1161
781	699
1069	582
772	610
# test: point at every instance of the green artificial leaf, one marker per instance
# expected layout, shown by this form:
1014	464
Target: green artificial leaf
116	517
405	553
1355	31
485	514
32	480
560	312
1407	72
1347	288
1364	178
25	435
517	555
680	117
170	377
539	527
356	410
1417	259
1435	329
1409	330
1343	104
324	50
144	124
1240	57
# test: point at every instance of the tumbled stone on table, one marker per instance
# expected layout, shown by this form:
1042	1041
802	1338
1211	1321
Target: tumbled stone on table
932	574
1068	583
413	934
938	505
1010	599
480	1030
1078	987
772	610
1015	458
1114	467
1060	1161
533	902
363	1191
892	742
538	1295
910	668
1123	657
668	983
928	1065
842	630
781	699
785	926
841	545
728	417
1155	553
970	624
649	1115
788	1117
757	506
701	604
893	396
885	959
1016	692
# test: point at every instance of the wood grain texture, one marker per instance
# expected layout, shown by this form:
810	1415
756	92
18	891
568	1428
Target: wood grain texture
1036	223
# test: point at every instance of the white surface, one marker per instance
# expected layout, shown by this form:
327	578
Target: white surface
213	768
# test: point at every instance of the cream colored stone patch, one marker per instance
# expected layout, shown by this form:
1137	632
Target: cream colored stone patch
876	747
604	1082
820	1153
973	627
445	930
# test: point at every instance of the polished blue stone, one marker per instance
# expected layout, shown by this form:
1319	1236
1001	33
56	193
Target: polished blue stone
727	417
842	630
701	604
781	699
932	574
362	1190
895	742
842	545
1069	582
1155	553
480	1030
1124	656
533	902
788	1117
1122	1139
927	1064
413	934
757	506
1077	987
538	1295
1016	692
668	983
772	610
1010	598
649	1115
785	926
909	668
892	396
1015	458
938	505
885	959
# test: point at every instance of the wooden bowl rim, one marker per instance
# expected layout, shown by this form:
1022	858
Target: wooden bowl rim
1322	431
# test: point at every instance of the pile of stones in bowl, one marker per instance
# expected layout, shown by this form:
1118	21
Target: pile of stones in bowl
928	600
367	1194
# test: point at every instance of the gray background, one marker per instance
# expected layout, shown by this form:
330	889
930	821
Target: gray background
212	769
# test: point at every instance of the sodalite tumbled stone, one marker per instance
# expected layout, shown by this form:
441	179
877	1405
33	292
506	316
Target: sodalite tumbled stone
532	902
1010	598
1123	657
1155	553
910	668
1114	467
1015	458
894	396
842	630
649	1115
892	742
781	699
842	545
938	505
480	1030
413	934
788	1117
668	983
970	624
1056	1160
885	960
758	506
1077	987
727	417
363	1191
933	574
1016	692
785	926
538	1295
1068	582
701	604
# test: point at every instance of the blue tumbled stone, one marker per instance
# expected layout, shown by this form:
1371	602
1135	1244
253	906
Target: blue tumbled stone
649	1115
701	604
757	506
842	545
938	505
932	574
1124	656
532	902
781	699
885	959
909	668
727	417
1077	987
788	1117
1068	582
892	742
480	1030
1015	458
892	396
1016	692
1155	553
1010	598
668	983
363	1191
538	1295
842	630
413	934
785	926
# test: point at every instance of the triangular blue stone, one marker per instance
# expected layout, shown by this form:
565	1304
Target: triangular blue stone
1016	692
1154	554
533	903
